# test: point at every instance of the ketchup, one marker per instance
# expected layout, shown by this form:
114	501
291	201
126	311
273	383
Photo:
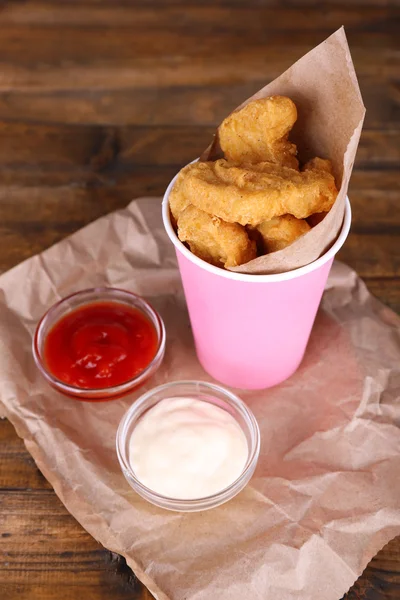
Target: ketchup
100	345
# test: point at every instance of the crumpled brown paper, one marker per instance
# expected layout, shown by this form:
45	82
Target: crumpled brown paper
323	85
326	494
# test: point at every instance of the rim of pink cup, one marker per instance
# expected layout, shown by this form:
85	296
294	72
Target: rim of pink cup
330	253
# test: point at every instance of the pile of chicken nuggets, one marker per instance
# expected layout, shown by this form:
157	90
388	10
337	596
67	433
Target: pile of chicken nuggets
256	199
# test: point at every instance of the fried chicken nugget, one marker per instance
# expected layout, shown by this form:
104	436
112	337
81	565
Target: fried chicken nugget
177	200
252	194
282	231
319	164
259	132
215	241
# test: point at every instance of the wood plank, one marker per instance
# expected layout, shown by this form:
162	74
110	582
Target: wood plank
372	255
387	559
36	144
21	587
230	3
184	32
178	70
26	144
378	148
41	514
381	579
374	180
182	16
60	43
18	470
375	211
68	199
176	105
61	554
182	51
386	290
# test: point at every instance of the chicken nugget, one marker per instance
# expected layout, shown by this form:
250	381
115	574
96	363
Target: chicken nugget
318	164
281	232
259	132
177	200
255	193
213	240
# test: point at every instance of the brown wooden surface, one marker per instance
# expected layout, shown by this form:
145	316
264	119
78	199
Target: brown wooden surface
102	101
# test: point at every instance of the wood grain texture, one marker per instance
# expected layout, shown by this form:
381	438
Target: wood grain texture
157	105
101	102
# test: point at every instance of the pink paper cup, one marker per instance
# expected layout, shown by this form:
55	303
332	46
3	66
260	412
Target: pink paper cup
251	331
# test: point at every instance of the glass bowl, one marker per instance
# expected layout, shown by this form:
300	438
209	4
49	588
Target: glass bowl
91	296
206	392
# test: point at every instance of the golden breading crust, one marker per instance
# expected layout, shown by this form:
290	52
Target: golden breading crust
211	239
281	232
252	194
318	164
177	200
259	131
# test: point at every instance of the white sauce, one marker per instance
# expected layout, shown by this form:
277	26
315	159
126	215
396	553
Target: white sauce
185	448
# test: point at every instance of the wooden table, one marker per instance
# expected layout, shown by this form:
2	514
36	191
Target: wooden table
101	102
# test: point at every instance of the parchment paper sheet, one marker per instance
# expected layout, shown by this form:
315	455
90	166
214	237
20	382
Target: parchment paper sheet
323	85
326	494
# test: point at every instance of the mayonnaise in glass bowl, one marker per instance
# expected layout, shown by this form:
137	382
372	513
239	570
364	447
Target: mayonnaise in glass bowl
238	416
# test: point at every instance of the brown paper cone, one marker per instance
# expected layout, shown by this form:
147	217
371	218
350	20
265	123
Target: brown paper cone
324	87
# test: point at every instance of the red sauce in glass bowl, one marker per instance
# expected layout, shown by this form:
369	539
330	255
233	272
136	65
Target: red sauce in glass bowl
100	345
